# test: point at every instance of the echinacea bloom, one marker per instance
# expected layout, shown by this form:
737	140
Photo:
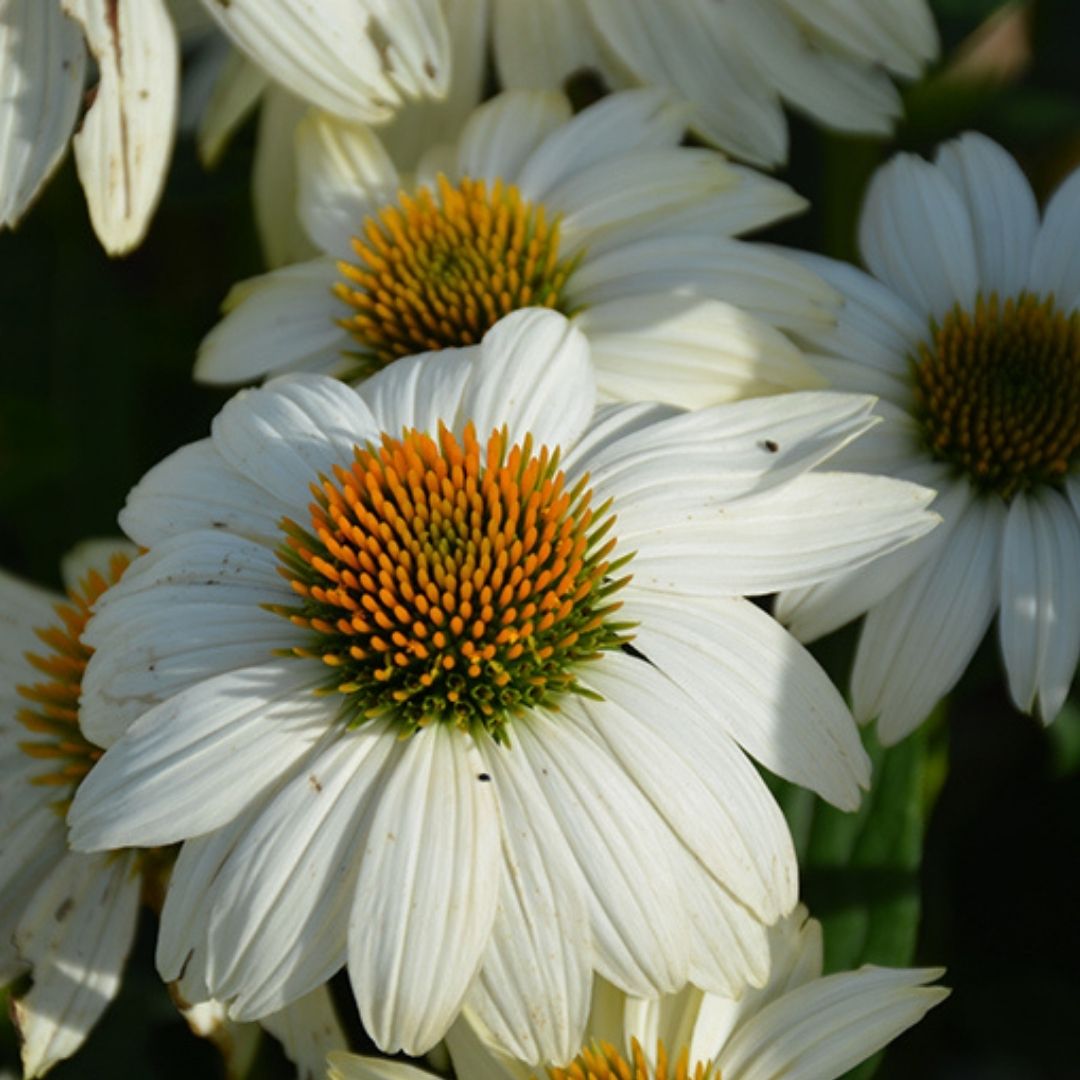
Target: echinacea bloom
382	668
602	216
736	62
799	1026
354	57
69	919
969	330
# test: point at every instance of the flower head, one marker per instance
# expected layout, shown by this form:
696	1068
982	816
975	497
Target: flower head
970	332
374	672
602	216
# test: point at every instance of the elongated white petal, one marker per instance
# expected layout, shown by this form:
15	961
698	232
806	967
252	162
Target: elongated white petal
719	807
1040	595
1004	215
193	762
748	675
689	351
915	644
542	44
76	934
474	1056
532	993
276	922
123	148
916	235
668	470
42	60
24	608
420	391
533	375
345	176
308	1030
344	1066
357	58
817	525
824	1028
195	488
427	891
621	846
286	434
1055	261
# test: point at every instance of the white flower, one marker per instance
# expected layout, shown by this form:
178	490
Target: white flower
66	918
352	57
971	336
733	61
396	725
799	1026
603	216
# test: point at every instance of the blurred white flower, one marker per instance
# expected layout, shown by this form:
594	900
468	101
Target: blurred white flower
397	725
799	1026
969	331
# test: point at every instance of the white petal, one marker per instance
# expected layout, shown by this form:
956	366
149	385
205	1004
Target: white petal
1004	215
24	608
755	681
275	322
1055	262
915	644
146	644
915	234
620	844
817	525
474	1056
354	58
533	990
533	375
123	147
419	391
308	1030
42	60
688	351
353	1067
195	488
192	763
236	92
542	44
826	1027
501	134
697	779
345	176
275	922
285	435
425	899
76	935
1040	601
634	121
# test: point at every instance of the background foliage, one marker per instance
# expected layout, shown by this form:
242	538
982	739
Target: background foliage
965	853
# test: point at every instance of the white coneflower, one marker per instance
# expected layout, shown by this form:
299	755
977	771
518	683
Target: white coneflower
799	1026
383	669
355	57
66	919
971	336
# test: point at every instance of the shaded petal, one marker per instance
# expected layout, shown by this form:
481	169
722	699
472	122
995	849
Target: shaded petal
275	322
42	63
308	1030
236	93
542	44
533	375
1055	262
1040	601
915	644
124	143
426	895
915	234
753	679
76	934
193	762
419	391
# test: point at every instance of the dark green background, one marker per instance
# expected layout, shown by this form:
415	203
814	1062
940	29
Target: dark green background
95	388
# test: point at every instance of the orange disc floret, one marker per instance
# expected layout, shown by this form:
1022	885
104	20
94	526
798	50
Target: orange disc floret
997	392
52	714
440	269
452	580
602	1061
